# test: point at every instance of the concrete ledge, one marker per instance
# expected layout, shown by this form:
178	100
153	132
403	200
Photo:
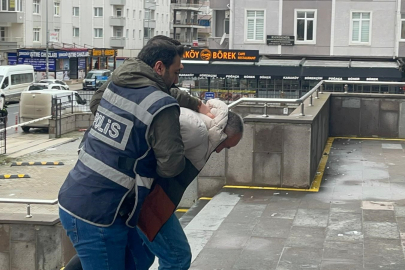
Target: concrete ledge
37	219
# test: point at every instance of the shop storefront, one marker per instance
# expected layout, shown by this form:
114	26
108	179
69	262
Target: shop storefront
64	64
103	59
288	78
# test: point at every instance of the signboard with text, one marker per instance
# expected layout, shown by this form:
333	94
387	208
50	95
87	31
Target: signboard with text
51	54
53	36
102	52
280	40
38	63
221	55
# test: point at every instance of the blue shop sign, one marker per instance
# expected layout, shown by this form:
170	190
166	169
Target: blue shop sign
38	63
58	54
12	58
81	63
209	95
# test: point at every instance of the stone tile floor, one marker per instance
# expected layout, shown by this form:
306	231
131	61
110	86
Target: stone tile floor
355	221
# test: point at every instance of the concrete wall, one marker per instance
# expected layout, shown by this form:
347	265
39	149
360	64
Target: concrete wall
278	151
367	115
71	122
28	244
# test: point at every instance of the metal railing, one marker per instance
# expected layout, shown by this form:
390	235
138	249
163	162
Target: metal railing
316	90
3	133
28	202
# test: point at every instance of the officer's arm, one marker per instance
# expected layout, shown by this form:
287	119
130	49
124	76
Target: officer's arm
184	99
166	142
95	100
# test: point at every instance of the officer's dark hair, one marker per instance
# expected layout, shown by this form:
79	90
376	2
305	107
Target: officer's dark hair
160	48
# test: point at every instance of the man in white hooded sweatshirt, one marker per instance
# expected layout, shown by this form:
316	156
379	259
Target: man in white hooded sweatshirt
158	227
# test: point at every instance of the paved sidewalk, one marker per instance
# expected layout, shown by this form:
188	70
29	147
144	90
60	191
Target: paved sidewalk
356	220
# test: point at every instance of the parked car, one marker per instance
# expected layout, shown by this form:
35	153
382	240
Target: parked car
95	78
46	86
66	87
38	103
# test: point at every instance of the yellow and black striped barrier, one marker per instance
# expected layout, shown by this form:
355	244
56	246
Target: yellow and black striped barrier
41	163
13	176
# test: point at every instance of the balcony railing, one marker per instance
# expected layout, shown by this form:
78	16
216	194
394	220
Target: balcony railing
194	7
117	21
11	17
118	2
11	42
117	42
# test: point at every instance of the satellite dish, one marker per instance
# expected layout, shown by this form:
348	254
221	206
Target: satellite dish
222	39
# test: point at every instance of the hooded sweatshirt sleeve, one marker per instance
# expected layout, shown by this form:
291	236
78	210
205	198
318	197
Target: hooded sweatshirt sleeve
166	142
184	99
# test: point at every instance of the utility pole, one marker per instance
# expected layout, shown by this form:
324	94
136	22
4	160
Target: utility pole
47	42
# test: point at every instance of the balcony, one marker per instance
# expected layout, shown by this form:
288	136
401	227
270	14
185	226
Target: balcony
149	23
118	2
11	43
193	7
118	42
151	5
11	17
117	21
188	24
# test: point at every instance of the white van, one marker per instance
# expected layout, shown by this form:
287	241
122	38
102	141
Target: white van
14	80
38	103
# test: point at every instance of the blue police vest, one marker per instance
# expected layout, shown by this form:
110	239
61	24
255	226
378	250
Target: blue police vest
116	157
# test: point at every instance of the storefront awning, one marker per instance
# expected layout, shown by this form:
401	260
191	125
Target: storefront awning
299	69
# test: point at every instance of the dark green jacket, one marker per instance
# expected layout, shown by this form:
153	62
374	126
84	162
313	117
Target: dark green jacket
164	134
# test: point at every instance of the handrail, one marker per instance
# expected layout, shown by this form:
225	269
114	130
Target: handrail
318	89
28	202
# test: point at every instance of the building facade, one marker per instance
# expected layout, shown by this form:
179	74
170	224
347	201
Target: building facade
191	22
119	24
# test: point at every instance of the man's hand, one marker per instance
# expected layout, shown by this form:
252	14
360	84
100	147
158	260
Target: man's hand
204	109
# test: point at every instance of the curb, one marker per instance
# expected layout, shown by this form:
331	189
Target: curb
36	163
13	176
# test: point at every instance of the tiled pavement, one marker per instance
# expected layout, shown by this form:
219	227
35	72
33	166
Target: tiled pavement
355	221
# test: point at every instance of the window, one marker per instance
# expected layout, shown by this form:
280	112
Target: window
76	32
162	17
127	12
147	14
255	25
56	8
36	4
75	11
226	26
140	14
117	30
57	30
119	12
167	18
305	26
133	34
146	32
127	33
167	33
403	26
98	32
360	28
21	78
133	13
98	12
140	34
2	34
36	34
19	5
4	5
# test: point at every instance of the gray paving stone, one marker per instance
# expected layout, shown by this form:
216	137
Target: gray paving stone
399	211
346	207
386	230
294	258
228	239
383	252
311	237
343	252
344	227
273	227
260	254
246	213
212	258
376	193
401	224
311	218
286	210
309	203
340	265
379	216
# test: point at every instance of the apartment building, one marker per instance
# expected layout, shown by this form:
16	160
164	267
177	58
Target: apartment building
121	24
191	22
323	28
269	47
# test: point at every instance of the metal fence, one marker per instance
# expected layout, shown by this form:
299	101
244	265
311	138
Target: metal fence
3	137
70	103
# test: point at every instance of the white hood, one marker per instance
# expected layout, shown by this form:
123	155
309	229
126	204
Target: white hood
201	134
